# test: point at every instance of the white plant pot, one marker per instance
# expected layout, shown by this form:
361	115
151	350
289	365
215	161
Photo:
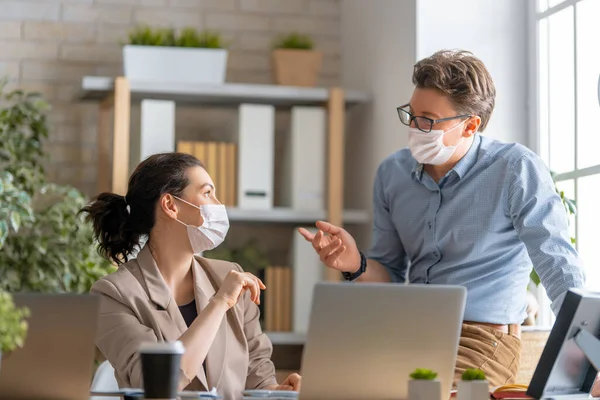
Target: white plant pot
175	64
424	390
473	390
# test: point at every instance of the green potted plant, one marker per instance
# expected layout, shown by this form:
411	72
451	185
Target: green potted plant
295	62
13	324
473	385
424	385
164	55
46	245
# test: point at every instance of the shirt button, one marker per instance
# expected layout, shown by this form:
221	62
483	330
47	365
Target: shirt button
437	192
429	225
435	254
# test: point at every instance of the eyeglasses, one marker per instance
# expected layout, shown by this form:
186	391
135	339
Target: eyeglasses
423	124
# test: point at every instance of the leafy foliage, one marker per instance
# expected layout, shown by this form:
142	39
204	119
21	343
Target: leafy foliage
571	209
23	126
13	325
472	374
190	37
249	256
423	374
45	245
294	41
143	35
16	206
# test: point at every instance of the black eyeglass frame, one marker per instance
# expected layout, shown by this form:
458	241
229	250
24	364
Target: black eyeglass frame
412	118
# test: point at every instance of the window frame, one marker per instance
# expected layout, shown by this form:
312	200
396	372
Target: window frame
546	317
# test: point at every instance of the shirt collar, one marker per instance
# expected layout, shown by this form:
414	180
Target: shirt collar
464	165
460	169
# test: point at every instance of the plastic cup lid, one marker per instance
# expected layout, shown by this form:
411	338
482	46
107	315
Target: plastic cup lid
162	347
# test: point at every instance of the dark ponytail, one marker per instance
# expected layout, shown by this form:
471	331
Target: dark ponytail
120	222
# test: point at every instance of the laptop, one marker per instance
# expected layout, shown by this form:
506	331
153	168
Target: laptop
364	339
57	359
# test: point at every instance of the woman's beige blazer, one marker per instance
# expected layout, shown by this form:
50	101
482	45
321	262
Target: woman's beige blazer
137	306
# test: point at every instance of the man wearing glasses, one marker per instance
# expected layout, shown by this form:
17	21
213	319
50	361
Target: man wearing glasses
460	208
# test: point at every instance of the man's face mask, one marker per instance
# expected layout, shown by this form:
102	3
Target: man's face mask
429	148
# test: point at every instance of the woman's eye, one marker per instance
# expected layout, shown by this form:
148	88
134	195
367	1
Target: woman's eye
207	194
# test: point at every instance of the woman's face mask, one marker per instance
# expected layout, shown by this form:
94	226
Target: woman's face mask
213	230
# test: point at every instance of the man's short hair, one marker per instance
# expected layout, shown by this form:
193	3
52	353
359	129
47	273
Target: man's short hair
463	78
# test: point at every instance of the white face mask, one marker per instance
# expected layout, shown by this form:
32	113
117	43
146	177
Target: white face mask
429	148
213	230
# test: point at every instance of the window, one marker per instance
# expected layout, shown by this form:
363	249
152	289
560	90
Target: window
567	72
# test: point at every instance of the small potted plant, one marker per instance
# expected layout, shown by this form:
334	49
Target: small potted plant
295	62
473	386
423	385
13	326
162	55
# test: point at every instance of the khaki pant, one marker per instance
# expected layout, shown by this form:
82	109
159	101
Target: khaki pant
496	353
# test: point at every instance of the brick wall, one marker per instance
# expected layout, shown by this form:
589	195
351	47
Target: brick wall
49	45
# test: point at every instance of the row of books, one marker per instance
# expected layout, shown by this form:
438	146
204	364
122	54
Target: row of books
276	301
220	161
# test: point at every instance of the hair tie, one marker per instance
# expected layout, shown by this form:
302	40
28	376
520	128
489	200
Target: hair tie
127	207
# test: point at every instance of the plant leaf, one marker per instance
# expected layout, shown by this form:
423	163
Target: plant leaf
15	220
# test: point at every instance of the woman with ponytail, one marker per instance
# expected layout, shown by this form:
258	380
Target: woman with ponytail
166	291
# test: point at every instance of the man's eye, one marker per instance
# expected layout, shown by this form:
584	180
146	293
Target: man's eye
207	194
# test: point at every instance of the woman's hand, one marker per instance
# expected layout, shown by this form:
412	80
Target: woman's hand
235	284
292	382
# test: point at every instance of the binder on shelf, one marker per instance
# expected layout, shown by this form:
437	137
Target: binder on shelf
307	272
219	159
303	180
277	307
185	147
157	131
256	132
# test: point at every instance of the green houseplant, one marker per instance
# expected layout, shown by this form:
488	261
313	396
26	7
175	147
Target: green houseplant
295	61
13	324
46	246
187	56
473	386
249	256
424	385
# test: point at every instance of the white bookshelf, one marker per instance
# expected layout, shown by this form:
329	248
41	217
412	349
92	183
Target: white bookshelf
288	215
99	87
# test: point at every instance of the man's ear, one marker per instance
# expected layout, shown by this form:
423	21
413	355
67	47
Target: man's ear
471	126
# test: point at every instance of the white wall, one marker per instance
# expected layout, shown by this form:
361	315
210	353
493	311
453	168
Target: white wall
496	32
378	54
381	41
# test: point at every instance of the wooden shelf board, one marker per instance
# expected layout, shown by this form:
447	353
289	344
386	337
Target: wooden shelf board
288	215
98	87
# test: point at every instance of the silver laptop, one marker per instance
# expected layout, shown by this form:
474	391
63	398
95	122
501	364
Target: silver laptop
57	359
365	339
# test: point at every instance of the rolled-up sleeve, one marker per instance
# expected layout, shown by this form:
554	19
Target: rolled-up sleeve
261	370
541	222
386	247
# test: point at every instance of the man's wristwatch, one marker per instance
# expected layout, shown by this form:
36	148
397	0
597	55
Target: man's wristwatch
349	276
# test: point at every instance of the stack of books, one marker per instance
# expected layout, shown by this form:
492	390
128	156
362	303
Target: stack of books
220	161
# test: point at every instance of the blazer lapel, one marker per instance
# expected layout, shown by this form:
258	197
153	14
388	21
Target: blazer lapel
168	316
204	291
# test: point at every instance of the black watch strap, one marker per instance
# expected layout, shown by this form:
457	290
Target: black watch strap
349	276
